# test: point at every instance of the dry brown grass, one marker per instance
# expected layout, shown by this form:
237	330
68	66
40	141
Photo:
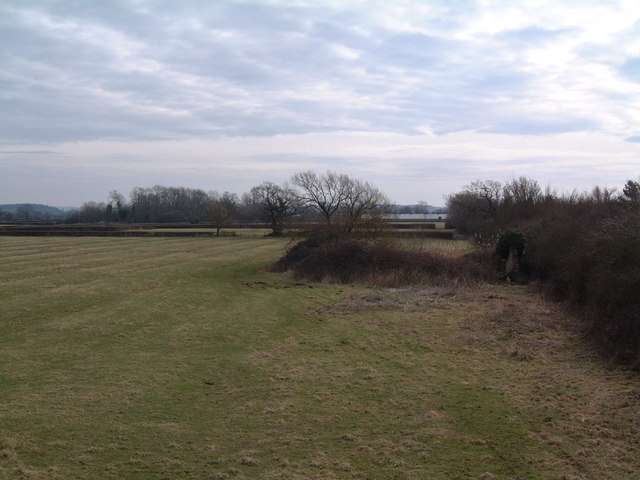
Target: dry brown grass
578	412
577	404
446	248
382	264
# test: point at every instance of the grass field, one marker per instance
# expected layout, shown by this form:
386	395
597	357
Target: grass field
180	358
244	232
448	248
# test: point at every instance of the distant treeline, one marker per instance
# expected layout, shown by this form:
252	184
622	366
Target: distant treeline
330	198
583	247
162	204
158	204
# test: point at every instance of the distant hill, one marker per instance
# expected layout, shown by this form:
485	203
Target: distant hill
420	208
36	208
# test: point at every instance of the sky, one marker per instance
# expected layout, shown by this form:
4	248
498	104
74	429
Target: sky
417	97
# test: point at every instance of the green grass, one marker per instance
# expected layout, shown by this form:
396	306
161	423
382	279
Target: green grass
180	358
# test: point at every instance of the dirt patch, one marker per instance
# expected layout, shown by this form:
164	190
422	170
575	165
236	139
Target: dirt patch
403	299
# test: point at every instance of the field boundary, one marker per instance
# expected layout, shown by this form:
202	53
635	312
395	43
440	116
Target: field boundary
172	230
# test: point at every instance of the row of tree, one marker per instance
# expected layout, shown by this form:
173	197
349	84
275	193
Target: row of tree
486	207
583	247
331	198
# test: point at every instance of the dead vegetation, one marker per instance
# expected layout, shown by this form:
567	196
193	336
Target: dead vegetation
583	247
380	263
408	299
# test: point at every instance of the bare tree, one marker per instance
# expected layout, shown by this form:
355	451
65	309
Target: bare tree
91	212
117	205
489	194
325	193
364	206
220	208
521	198
476	208
346	203
168	204
231	202
422	207
523	190
275	204
602	195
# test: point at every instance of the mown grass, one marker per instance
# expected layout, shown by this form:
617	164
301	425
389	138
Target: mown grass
181	358
243	232
447	248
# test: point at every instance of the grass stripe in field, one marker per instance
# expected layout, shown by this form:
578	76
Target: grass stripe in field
88	257
180	358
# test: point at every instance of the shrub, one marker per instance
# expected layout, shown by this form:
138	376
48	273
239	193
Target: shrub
584	248
346	260
589	256
612	287
508	240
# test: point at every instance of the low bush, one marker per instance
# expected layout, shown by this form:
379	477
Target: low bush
510	239
346	260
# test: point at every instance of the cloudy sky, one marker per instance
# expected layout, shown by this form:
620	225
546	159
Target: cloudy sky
418	97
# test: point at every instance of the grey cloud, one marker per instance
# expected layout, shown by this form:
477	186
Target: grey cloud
539	125
29	152
158	70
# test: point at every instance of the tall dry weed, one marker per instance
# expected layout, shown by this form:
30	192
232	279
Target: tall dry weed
382	264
